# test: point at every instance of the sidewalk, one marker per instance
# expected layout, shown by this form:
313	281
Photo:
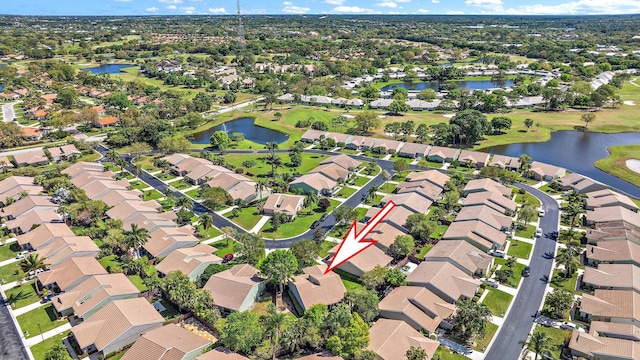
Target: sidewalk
48	334
260	224
10	261
25	309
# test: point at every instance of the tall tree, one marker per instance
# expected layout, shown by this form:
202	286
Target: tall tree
306	252
558	301
229	233
540	342
278	268
242	332
416	353
366	121
471	319
136	237
252	247
274	322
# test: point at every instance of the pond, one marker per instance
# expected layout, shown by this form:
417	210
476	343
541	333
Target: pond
246	126
435	85
109	68
576	151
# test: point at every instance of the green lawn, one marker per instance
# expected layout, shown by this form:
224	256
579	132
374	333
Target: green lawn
361	212
24	294
301	223
375	201
616	163
248	217
350	285
39	350
325	247
527	232
484	342
146	163
9	251
548	189
557	336
444	353
167	204
152	195
126	175
497	301
165	176
519	249
110	261
423	251
517	272
180	184
222	249
209	233
138	184
387	188
527	199
361	180
10	273
439	231
45	316
137	281
559	282
346	192
195	193
170	312
262	169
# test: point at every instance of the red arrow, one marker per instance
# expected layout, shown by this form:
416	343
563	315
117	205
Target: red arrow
353	243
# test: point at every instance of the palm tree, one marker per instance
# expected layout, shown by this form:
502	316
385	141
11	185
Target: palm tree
112	155
275	161
229	233
4	166
569	258
184	203
137	170
310	199
372	192
511	262
31	263
136	237
274	322
206	220
539	341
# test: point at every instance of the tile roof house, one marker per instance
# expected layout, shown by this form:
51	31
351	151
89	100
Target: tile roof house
35	157
591	346
18	191
343	160
462	255
311	136
27	203
579	183
283	203
5	164
365	261
391	339
613	252
82	167
545	172
442	154
93	294
118	324
445	280
25	222
396	217
433	176
83	179
186	165
410	200
613	277
236	289
106	121
616	306
316	287
129	209
608	198
482	185
115	196
43	235
386	146
204	172
494	200
321	356
613	231
236	185
70	273
505	162
487	215
168	342
418	307
477	158
334	172
62	248
423	188
152	222
34	134
220	353
385	234
615	330
164	240
190	261
315	182
99	186
610	214
477	233
414	150
64	152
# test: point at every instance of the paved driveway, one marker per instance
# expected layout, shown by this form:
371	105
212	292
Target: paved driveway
519	322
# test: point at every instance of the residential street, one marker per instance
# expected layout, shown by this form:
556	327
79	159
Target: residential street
519	322
7	111
10	343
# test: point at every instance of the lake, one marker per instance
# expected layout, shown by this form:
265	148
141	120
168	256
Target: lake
108	68
435	85
576	151
246	126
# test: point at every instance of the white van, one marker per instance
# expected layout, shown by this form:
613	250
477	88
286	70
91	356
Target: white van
498	253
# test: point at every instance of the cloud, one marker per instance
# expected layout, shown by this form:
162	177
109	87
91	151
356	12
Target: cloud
435	1
151	9
403	1
171	7
171	1
389	4
219	10
188	10
580	7
483	2
353	10
423	11
289	8
334	2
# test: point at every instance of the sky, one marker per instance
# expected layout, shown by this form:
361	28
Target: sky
296	7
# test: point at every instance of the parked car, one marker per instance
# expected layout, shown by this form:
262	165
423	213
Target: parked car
227	258
570	326
541	213
526	271
492	283
48	298
22	254
324	217
315	224
554	235
498	253
509	234
538	232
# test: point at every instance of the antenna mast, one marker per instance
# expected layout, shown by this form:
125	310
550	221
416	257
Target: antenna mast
241	39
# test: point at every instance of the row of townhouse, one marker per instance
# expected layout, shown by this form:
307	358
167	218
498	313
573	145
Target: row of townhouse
612	277
324	178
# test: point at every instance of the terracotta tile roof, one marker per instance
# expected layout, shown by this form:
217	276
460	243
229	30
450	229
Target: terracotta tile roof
444	279
464	255
230	288
221	353
283	203
476	231
391	339
26	204
433	176
168	342
165	239
615	251
345	161
417	306
71	271
316	287
613	276
64	247
108	120
33	132
478	185
487	215
114	320
43	234
187	260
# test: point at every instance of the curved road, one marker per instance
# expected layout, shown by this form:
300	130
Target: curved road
518	323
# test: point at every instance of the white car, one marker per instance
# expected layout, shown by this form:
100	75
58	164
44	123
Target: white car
541	213
492	283
538	232
21	254
570	326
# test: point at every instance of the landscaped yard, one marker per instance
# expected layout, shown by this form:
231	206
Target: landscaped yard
526	233
528	199
346	192
146	163
180	184
211	232
301	223
439	231
195	193
559	282
152	195
325	247
167	204
110	261
223	249
45	316
247	217
262	169
482	344
138	184
137	281
387	188
10	273
517	272
445	354
350	285
519	249
24	295
361	180
557	336
423	251
170	312
39	350
497	301
165	176
9	251
375	201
